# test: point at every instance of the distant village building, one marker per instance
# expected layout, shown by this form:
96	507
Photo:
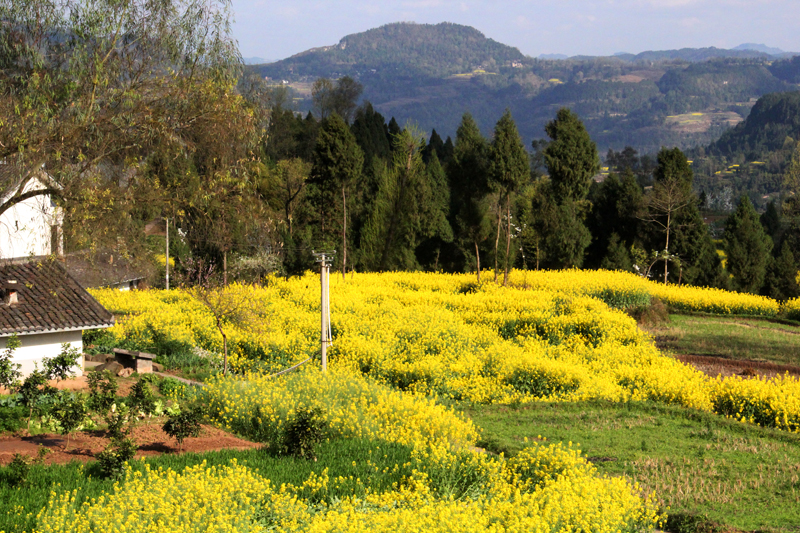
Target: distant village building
45	307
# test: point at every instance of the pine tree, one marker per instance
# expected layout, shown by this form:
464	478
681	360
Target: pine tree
571	156
508	169
780	281
747	247
468	176
338	162
615	210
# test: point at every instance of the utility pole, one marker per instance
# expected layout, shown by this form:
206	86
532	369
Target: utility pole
166	255
325	259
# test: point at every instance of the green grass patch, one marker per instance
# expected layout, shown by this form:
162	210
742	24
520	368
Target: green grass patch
703	467
730	337
363	464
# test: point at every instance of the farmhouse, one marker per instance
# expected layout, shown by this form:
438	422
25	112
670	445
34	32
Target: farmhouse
31	227
45	307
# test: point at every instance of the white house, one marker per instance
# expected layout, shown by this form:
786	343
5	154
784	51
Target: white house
31	227
45	307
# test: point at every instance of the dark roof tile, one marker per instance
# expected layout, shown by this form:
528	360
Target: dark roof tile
49	300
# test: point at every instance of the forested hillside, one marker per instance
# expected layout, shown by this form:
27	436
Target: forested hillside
432	74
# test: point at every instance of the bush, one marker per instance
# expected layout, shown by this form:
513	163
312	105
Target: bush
184	424
11	418
303	432
111	461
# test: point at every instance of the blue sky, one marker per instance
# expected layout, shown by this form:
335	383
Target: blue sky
277	29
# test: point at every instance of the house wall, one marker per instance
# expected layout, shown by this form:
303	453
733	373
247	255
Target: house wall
25	229
36	347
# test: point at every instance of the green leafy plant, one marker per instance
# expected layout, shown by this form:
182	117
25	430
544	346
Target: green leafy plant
102	391
184	424
116	420
9	372
32	391
60	366
111	461
141	398
70	412
303	432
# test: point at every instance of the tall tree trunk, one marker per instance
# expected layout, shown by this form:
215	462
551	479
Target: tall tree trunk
508	237
497	240
666	248
478	260
225	268
344	234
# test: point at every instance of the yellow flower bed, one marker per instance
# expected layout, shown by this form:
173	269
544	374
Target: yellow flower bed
544	489
715	301
792	308
260	406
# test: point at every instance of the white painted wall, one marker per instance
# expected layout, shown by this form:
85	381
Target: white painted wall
25	229
35	347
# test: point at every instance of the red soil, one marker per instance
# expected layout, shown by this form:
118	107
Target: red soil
83	445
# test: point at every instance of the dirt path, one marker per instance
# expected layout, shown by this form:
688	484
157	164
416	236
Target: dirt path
84	445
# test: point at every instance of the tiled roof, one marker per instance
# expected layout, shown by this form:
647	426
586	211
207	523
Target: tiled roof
49	300
100	270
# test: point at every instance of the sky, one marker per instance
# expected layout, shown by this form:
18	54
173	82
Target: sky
278	29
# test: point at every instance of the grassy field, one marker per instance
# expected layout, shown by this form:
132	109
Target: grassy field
706	469
729	337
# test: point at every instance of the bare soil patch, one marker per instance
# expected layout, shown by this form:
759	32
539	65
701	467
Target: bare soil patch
720	366
84	445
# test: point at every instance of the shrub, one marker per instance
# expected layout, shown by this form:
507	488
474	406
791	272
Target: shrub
70	413
184	424
111	462
303	432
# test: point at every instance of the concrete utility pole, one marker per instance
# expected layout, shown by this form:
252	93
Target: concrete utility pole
325	259
166	255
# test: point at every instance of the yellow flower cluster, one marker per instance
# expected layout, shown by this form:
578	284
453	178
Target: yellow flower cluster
351	406
767	402
792	308
715	301
544	489
216	499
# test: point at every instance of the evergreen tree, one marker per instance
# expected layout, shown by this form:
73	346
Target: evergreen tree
571	157
771	220
616	207
435	144
468	176
404	211
508	169
338	162
617	257
747	246
780	281
436	227
372	134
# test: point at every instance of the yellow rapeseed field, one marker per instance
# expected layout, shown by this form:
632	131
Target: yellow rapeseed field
549	336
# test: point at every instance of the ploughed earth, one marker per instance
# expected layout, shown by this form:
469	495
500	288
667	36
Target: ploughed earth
84	445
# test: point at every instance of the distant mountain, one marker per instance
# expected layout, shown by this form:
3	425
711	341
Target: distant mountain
761	48
255	60
553	56
696	55
433	74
